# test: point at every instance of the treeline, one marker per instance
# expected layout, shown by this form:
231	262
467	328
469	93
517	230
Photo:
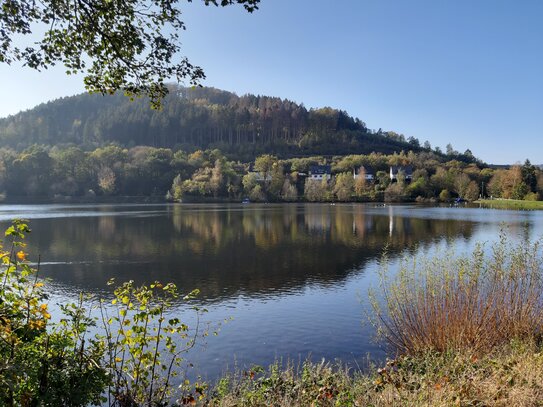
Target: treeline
209	174
243	127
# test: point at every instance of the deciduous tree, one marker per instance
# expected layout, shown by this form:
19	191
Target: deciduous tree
131	45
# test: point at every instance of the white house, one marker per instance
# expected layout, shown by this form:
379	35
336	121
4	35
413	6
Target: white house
407	171
369	173
320	172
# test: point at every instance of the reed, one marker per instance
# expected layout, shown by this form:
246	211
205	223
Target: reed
470	304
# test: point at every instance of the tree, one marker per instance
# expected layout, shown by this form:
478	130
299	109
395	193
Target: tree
360	183
344	186
520	190
394	192
289	192
177	188
129	45
383	179
249	182
444	196
529	176
414	142
217	179
461	184
106	180
472	192
264	165
277	179
315	190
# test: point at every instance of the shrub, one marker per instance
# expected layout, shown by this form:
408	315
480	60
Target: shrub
43	363
464	304
134	362
444	196
144	346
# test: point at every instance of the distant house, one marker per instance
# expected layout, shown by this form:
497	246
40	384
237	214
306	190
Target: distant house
320	172
369	173
258	175
407	171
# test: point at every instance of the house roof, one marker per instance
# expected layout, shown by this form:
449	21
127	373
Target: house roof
320	169
407	169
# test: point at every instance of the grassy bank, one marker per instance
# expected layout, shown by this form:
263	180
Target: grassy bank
509	376
511	204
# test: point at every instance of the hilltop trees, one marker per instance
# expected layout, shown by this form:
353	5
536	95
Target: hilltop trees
244	127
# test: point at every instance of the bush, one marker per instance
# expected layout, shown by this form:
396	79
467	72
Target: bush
464	304
43	363
444	196
133	363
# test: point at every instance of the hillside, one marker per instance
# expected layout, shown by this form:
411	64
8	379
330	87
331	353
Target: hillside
193	118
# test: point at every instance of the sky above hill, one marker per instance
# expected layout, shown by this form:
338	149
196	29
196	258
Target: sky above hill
464	72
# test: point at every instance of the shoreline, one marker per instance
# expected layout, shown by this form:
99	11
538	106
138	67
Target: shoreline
511	204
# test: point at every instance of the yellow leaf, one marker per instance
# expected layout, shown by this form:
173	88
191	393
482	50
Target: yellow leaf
21	255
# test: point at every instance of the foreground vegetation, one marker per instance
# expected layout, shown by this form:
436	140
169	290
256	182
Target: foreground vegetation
133	360
511	375
465	330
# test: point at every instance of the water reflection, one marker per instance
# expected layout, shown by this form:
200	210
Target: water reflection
228	250
293	277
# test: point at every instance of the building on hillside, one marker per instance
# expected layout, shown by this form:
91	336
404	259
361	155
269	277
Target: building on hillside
320	172
260	177
406	170
369	173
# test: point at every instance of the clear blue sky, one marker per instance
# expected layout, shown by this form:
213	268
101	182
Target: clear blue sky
460	71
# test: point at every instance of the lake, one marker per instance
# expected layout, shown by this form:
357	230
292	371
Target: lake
293	278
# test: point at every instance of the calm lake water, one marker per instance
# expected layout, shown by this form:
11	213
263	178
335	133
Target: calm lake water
294	278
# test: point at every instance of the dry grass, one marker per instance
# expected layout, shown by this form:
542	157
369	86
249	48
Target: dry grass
510	376
472	304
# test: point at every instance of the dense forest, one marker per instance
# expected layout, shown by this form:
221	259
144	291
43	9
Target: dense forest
242	127
201	175
209	144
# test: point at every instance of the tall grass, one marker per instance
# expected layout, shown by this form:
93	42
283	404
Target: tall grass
473	303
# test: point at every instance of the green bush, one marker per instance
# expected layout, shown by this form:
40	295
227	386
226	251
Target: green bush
136	361
43	363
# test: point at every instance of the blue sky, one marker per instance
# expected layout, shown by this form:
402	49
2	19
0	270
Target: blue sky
460	71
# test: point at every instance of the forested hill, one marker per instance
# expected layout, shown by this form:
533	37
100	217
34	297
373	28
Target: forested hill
192	118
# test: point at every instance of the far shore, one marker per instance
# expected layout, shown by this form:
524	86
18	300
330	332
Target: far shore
510	204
